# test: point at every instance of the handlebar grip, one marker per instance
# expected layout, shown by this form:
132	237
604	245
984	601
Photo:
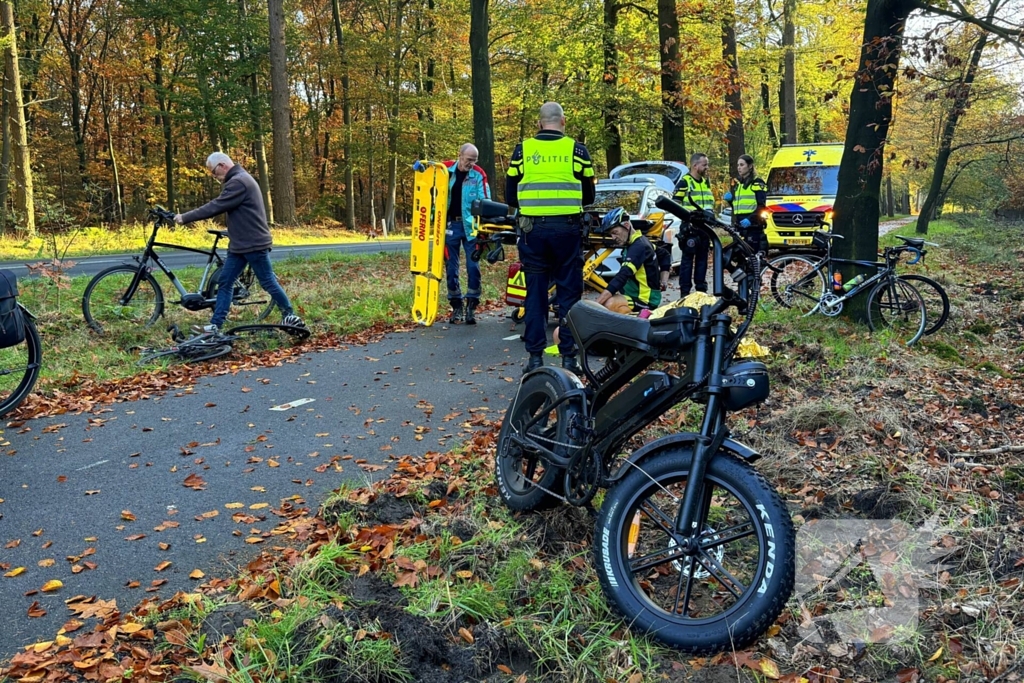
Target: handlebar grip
672	207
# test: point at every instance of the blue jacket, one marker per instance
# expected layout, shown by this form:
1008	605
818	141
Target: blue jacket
474	187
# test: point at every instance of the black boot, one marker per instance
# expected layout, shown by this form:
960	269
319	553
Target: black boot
569	363
536	361
457	314
471	304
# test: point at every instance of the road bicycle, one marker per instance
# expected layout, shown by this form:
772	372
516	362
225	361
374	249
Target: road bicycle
814	286
691	545
254	338
129	293
936	299
20	365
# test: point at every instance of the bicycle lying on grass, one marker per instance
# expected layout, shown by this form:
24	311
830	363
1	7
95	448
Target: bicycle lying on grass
254	338
894	303
129	293
692	545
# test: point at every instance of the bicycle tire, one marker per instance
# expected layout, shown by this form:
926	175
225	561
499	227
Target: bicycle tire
19	367
796	282
101	301
725	596
189	352
935	299
515	472
897	306
259	337
250	303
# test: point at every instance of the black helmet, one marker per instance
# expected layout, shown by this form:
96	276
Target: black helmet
613	218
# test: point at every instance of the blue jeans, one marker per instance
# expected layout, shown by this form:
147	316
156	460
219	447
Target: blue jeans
233	266
455	240
551	252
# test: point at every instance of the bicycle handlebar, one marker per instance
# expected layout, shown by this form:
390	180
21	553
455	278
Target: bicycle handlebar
160	213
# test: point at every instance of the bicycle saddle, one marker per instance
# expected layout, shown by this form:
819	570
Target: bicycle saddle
592	323
219	233
915	242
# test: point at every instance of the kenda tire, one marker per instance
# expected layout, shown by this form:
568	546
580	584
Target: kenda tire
771	571
512	471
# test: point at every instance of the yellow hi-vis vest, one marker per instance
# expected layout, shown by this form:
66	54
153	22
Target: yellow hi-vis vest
548	187
744	199
697	190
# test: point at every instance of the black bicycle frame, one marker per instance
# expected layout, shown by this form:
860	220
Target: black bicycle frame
150	254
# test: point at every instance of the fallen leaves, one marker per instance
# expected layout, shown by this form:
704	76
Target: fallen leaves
162	566
52	586
35	611
194	482
17	571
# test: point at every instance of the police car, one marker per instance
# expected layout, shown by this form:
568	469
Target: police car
635	187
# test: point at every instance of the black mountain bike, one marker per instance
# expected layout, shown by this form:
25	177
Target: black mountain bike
129	293
893	303
936	300
692	545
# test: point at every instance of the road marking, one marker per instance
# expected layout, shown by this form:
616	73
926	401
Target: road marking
92	465
294	404
510	338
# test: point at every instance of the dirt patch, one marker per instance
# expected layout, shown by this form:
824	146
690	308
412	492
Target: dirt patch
561	529
226	620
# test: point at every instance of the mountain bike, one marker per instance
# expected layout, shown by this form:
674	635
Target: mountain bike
936	300
814	286
692	545
254	338
129	293
20	365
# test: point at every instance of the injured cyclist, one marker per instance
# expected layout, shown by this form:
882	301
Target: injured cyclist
637	286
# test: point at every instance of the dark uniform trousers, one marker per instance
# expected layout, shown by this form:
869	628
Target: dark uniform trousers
693	267
552	251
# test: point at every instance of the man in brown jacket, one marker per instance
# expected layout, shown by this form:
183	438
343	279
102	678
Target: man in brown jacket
249	236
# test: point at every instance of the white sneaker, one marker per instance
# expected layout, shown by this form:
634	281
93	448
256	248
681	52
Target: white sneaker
293	320
206	329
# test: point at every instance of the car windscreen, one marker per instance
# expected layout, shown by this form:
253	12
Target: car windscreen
670	172
803	180
608	199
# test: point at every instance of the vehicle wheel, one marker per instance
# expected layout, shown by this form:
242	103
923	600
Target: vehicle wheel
517	314
19	368
516	471
106	304
895	305
936	301
250	303
795	282
723	597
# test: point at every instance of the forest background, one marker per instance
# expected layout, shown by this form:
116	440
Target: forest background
115	104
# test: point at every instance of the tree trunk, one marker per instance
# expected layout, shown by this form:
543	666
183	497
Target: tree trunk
371	208
394	122
5	149
346	116
256	119
890	210
483	115
788	102
766	108
957	109
281	118
117	201
24	197
612	120
733	96
860	172
164	106
673	116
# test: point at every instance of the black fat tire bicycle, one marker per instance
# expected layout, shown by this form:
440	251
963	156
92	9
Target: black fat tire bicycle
691	544
20	366
256	338
128	294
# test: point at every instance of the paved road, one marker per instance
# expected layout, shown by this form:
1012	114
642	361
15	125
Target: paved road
91	265
65	480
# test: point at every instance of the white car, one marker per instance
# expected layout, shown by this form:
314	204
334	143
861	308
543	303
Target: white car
635	187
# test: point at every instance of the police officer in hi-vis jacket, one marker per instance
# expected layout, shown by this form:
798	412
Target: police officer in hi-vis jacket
550	179
694	195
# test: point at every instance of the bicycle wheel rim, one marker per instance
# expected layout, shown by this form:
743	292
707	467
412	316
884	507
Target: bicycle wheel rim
936	301
796	282
104	310
19	369
250	303
896	307
261	337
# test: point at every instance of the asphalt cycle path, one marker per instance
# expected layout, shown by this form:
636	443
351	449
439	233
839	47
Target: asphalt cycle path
172	471
90	265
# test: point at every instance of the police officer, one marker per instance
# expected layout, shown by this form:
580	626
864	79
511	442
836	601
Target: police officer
550	178
748	198
694	195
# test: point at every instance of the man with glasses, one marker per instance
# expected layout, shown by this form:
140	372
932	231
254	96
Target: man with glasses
466	182
249	236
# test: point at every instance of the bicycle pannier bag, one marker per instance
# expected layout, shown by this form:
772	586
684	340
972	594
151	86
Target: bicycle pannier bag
12	325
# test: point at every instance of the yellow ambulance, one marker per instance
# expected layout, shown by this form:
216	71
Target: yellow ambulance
802	184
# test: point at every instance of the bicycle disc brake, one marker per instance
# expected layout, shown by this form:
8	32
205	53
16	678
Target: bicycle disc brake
831	305
582	477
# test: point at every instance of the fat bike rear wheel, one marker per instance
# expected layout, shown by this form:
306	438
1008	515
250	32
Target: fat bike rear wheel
732	585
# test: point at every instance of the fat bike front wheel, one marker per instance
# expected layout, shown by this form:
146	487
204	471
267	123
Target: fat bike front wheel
725	592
